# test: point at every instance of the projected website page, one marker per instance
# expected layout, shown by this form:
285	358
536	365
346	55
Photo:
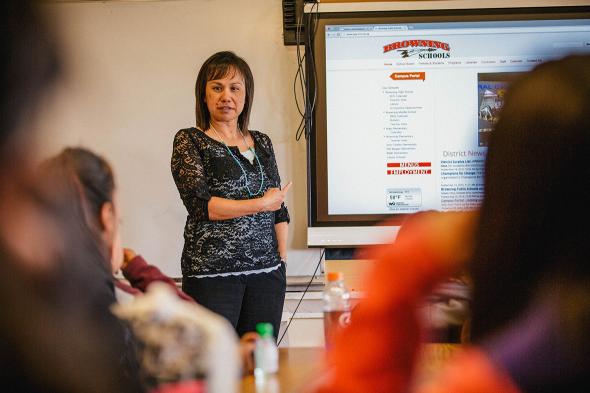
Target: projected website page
410	107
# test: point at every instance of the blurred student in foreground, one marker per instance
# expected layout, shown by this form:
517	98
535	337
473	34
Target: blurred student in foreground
89	181
528	252
56	331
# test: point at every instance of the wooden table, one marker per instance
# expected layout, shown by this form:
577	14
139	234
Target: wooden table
298	367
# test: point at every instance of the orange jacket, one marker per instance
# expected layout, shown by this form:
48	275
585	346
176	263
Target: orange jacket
378	351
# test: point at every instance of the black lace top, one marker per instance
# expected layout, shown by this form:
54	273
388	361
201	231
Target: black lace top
202	168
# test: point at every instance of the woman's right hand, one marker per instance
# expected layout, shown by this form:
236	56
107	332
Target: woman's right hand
274	197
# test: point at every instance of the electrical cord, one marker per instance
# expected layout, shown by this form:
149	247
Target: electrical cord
302	296
311	37
299	77
300	74
306	109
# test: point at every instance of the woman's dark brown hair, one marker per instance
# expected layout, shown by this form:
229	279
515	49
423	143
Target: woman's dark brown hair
218	66
535	217
90	174
85	180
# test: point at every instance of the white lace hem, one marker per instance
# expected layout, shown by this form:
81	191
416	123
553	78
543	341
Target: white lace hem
246	272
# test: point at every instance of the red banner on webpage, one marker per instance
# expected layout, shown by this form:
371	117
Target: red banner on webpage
409	168
400	76
408	164
409	172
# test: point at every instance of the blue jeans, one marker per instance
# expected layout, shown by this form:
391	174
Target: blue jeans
244	300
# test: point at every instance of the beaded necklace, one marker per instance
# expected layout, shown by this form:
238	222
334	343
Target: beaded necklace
240	164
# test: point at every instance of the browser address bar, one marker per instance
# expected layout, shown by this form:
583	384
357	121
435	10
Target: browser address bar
506	30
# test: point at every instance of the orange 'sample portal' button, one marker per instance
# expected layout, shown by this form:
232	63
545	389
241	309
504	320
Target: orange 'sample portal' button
401	76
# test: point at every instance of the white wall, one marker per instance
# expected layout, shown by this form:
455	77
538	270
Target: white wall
131	68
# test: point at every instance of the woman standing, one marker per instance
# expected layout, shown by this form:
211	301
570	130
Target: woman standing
234	255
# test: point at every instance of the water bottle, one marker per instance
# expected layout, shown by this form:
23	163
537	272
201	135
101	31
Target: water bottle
266	353
336	306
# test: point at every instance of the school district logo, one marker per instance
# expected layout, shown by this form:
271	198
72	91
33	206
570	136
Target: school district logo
423	49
